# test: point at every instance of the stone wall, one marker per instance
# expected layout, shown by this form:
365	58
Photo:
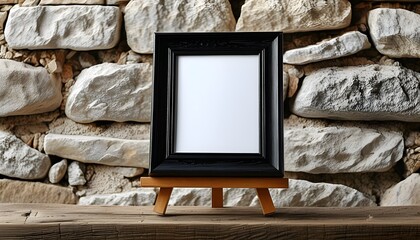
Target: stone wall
75	98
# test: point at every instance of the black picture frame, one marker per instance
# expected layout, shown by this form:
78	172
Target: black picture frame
164	160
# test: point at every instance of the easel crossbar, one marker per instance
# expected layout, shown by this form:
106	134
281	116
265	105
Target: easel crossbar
214	182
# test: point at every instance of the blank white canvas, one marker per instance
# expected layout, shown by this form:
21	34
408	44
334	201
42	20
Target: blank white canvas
218	107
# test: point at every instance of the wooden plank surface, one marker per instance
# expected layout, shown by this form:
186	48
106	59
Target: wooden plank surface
42	221
214	182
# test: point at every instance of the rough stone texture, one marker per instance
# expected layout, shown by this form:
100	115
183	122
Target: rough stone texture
395	32
285	84
64	2
108	151
202	197
57	171
238	196
355	149
372	184
140	197
111	92
412	157
74	27
412	162
406	192
190	197
30	3
8	1
12	191
294	121
129	172
31	134
27	90
374	92
294	16
75	174
3	17
28	119
127	130
86	60
144	18
294	76
344	45
302	193
133	57
117	2
107	179
17	160
21	130
348	61
299	194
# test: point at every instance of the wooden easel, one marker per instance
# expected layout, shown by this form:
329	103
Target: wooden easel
166	185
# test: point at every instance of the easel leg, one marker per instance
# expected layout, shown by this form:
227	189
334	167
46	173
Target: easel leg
162	200
266	201
217	197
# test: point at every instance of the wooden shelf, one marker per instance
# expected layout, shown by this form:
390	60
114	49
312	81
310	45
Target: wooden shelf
53	221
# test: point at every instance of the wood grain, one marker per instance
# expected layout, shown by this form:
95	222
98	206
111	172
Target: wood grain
214	182
265	201
49	221
217	197
162	200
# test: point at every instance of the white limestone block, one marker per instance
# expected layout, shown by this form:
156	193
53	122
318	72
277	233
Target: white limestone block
145	17
74	27
26	90
294	16
75	174
111	92
341	149
344	45
99	150
395	32
372	92
406	192
57	171
18	160
139	197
